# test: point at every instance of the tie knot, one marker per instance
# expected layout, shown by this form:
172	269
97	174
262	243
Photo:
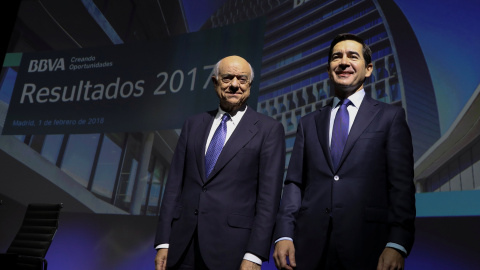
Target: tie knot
225	117
345	102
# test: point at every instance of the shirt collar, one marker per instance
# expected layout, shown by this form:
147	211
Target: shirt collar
235	119
356	99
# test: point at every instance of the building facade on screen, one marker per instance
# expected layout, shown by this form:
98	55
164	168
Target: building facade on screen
453	162
294	79
126	172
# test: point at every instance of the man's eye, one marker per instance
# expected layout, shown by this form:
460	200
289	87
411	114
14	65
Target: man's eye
227	79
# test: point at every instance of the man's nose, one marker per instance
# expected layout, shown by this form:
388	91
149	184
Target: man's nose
344	61
235	83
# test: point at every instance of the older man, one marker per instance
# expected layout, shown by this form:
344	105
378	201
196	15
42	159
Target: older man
224	184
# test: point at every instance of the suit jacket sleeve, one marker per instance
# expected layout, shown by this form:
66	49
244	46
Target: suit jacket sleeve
270	175
400	177
172	189
291	198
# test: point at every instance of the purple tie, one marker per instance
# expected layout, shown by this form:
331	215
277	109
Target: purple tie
216	145
339	132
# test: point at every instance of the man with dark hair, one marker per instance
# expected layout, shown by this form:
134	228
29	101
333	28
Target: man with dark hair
224	184
349	198
367	52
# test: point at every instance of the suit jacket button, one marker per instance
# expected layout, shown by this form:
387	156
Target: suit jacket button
327	211
196	212
204	189
336	178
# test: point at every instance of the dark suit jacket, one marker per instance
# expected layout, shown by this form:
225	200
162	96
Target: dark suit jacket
370	197
234	209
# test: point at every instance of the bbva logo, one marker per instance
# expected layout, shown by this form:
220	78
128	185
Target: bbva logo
43	65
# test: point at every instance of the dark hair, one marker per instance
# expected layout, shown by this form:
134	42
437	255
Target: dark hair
367	52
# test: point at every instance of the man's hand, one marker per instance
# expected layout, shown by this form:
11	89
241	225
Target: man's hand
161	259
248	265
284	249
390	259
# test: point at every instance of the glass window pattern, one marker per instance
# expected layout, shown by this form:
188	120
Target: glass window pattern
294	86
157	174
395	93
51	147
107	165
318	19
128	173
290	140
301	41
79	155
279	26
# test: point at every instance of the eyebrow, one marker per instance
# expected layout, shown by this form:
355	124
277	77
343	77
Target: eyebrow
242	76
348	52
229	74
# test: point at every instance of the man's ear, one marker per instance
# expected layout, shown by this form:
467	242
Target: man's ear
328	71
369	70
214	80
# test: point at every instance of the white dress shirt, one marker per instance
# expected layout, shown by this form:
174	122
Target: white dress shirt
232	123
356	100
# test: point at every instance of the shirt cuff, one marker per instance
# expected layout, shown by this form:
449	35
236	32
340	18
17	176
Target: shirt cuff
397	247
283	238
162	246
252	258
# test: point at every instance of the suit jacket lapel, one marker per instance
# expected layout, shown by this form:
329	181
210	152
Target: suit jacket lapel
322	122
201	141
364	117
243	133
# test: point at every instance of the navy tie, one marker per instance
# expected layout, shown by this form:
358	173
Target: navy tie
339	132
216	145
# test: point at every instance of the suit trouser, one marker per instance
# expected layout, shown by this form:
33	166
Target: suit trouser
330	259
191	258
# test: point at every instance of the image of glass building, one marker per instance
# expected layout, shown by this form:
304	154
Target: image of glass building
453	162
125	173
294	79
